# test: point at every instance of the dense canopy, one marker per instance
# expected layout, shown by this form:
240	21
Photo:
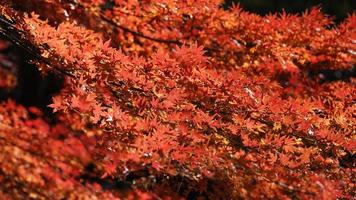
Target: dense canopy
165	99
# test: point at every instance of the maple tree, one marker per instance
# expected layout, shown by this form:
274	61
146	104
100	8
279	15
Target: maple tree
178	100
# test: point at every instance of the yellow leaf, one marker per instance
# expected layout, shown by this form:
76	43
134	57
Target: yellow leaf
277	126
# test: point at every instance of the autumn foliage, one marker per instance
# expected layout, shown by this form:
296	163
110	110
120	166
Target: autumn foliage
166	99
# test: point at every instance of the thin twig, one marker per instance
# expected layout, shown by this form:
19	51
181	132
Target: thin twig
111	22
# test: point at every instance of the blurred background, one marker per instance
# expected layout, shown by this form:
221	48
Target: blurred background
337	8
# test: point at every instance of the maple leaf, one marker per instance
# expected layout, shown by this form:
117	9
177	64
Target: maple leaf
109	169
79	102
105	46
305	156
157	166
57	103
97	113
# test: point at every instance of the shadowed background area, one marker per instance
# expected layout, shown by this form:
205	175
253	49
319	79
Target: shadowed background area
337	8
